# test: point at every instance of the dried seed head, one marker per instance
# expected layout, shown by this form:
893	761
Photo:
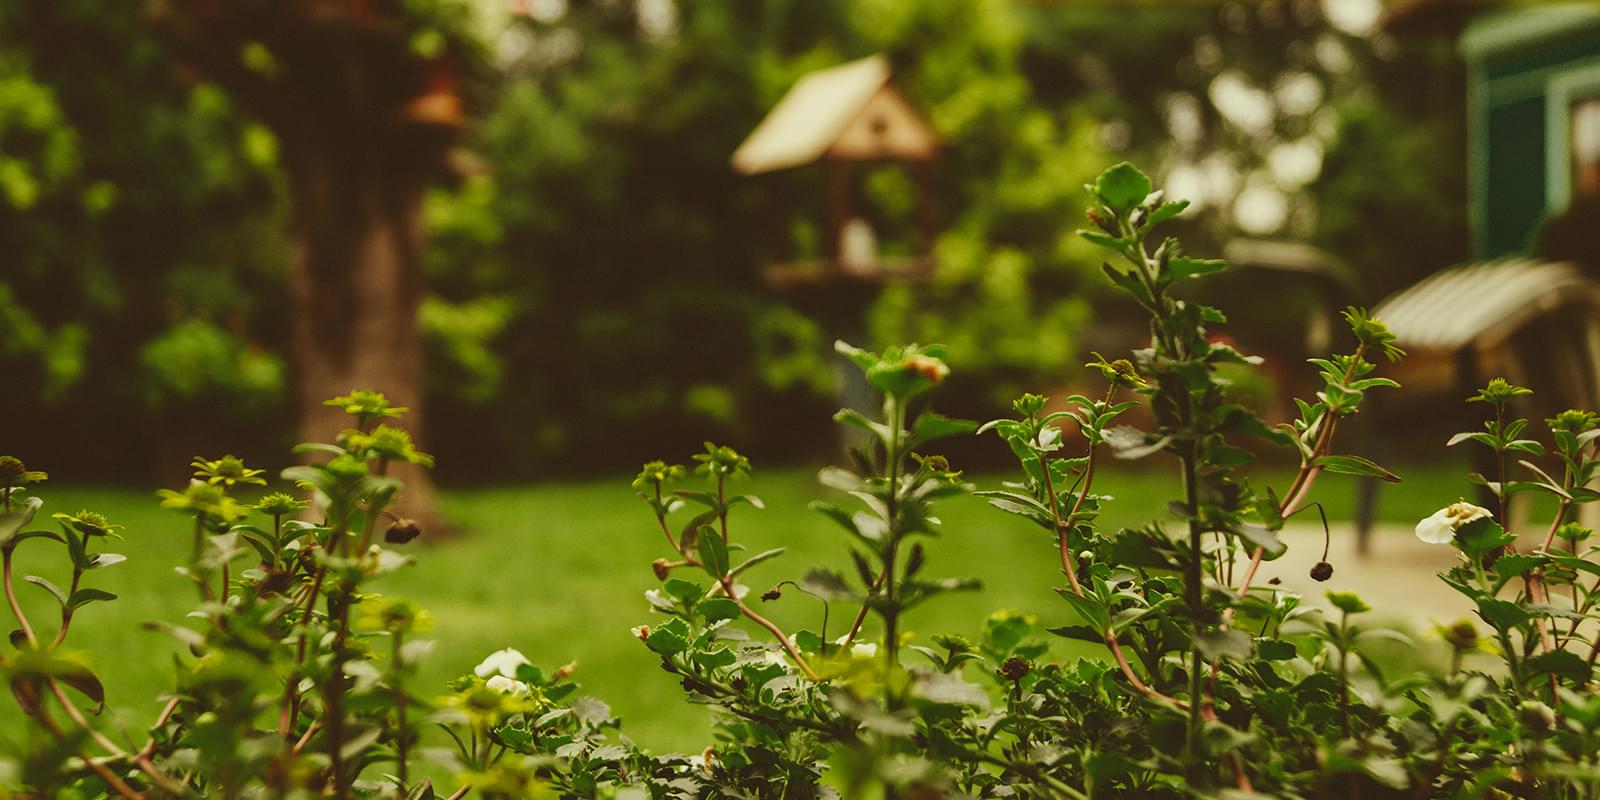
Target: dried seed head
1536	716
1463	635
1321	571
1015	669
403	530
661	568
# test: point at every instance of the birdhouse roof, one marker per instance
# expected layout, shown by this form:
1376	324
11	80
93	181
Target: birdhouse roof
849	112
1482	303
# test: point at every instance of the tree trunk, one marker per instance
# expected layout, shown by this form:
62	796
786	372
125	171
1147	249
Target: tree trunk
356	281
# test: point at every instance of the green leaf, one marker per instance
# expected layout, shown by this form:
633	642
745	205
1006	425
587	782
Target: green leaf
1128	442
61	597
1390	772
1355	465
1265	539
930	427
861	358
1129	283
808	641
719	608
1166	211
1348	602
711	659
1481	535
949	689
845	519
1276	649
17	518
685	592
1185	267
1101	238
1548	483
1082	633
714	554
756	559
1090	610
1122	187
826	584
1501	614
850	416
359	741
1511	565
842	479
669	638
83	597
749	499
101	560
1140	548
1223	643
1022	506
34	665
1562	663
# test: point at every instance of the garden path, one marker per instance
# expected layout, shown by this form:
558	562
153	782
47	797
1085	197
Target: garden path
1398	573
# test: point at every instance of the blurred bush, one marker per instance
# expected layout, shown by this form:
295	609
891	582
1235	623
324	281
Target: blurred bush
595	268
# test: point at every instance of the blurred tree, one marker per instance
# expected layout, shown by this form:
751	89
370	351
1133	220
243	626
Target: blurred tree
130	204
593	276
365	100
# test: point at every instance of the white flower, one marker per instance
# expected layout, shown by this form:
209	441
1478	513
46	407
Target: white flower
1441	526
504	685
859	649
501	662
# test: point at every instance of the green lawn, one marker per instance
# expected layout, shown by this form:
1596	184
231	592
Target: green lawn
557	570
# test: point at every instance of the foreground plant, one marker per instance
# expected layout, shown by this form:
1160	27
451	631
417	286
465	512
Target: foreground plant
1197	679
296	679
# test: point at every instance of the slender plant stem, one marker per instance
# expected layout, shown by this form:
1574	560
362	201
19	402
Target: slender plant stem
891	603
1195	591
11	597
117	784
333	694
1077	588
1300	489
1500	459
67	611
402	735
777	632
140	760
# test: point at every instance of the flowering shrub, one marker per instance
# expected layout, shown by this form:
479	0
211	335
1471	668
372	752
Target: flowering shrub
1202	681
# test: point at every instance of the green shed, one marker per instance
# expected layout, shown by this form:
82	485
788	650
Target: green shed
1534	117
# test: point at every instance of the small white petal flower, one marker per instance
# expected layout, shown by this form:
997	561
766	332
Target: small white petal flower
1440	527
864	650
504	685
501	662
1436	529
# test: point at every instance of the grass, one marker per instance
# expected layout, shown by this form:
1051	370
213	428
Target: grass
557	570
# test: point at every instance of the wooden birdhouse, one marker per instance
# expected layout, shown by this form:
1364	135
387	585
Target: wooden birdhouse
848	117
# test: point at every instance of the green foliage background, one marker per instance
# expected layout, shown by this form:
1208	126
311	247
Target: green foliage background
596	278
